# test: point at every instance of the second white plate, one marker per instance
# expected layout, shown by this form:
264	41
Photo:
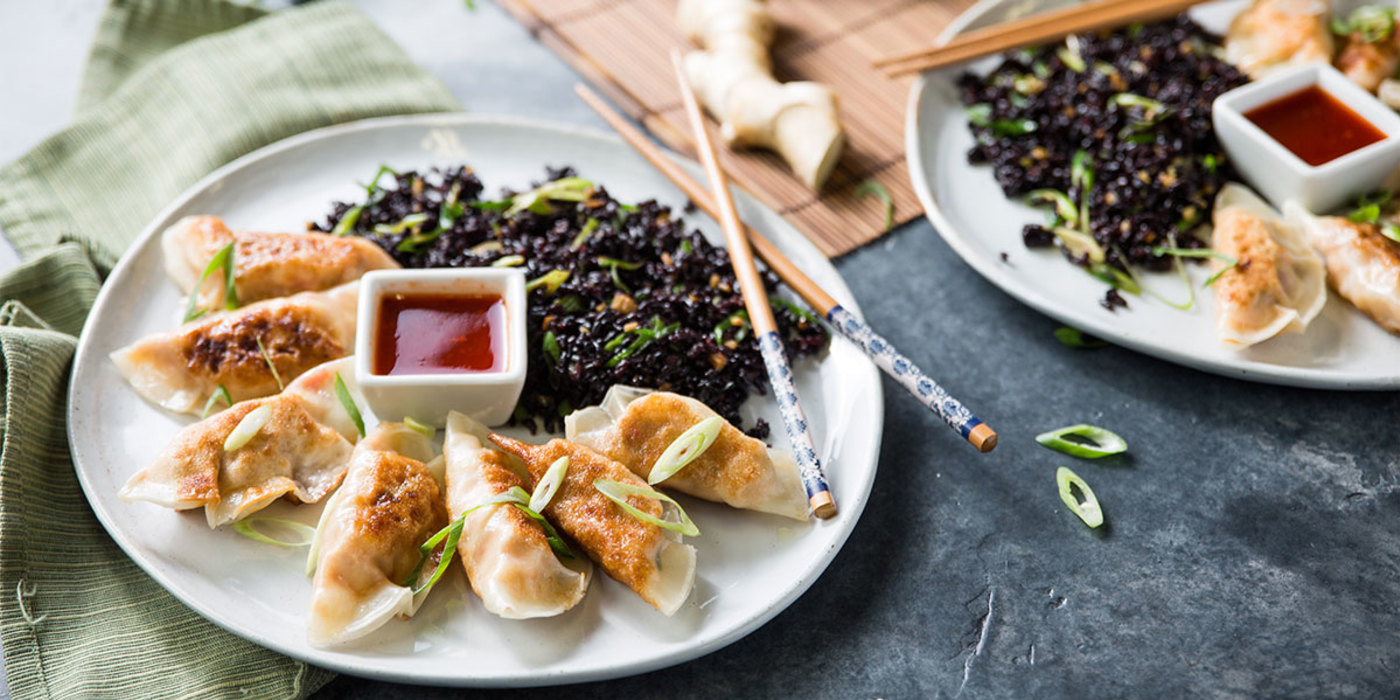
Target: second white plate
1342	349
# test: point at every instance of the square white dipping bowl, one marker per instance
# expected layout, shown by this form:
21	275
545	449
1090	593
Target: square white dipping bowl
1279	174
489	397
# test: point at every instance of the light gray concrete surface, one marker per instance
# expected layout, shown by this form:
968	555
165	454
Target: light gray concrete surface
1249	550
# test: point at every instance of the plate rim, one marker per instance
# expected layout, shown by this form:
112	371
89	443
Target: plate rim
922	179
867	373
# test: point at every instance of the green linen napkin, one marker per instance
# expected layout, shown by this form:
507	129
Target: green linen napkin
173	89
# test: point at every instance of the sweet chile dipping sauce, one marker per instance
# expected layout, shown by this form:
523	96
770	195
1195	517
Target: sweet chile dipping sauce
440	334
1316	126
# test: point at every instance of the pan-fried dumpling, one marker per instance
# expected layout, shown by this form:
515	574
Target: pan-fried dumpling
1367	63
181	369
634	426
1277	285
1275	34
367	542
644	557
266	265
505	553
1362	264
299	451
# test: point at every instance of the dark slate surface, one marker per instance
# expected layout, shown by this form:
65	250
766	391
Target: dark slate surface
1248	549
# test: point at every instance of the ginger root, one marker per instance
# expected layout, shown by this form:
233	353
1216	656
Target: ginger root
733	77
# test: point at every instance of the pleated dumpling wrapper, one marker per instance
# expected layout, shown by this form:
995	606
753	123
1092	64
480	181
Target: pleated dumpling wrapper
181	369
300	442
635	426
1363	265
505	552
1271	35
647	558
366	544
266	265
1278	283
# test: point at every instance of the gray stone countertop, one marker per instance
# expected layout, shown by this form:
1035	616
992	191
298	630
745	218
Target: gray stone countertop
1250	547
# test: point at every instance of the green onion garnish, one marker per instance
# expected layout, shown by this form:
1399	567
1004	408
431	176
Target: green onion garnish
1013	127
405	223
1079	244
509	261
1391	231
549	484
588	228
413	424
549	280
794	309
221	260
1064	206
568	189
550	345
1372	22
247	428
1149	106
873	187
342	392
644	336
1193	253
1071	55
1368	207
618	492
1088	509
742	315
979	114
245	528
606	261
220	394
1115	277
268	359
1076	338
685	449
1088	441
348	221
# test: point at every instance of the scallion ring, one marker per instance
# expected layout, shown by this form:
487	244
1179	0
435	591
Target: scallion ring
509	261
1090	441
413	424
549	484
246	528
685	449
618	492
347	401
247	428
1087	509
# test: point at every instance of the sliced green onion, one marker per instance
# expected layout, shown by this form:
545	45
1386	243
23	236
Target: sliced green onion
551	535
453	534
1391	231
588	228
1368	207
873	187
1076	338
348	221
606	261
686	247
1078	243
1372	22
568	189
342	392
685	449
1088	509
549	484
728	323
549	280
1081	173
220	394
515	496
1071	54
618	492
247	428
1212	279
405	223
1193	253
509	261
414	424
1115	277
487	247
268	359
373	187
245	527
1013	127
221	260
1090	441
550	345
794	309
1149	106
1064	206
979	114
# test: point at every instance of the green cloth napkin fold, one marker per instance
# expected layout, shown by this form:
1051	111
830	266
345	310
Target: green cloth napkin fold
173	89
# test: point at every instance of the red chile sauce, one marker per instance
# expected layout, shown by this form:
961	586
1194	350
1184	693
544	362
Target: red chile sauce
440	334
1316	126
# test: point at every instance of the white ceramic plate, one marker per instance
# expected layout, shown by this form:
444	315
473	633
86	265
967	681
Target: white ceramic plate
751	566
1342	349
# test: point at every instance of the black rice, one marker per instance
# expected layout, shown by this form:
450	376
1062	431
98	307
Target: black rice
1155	176
646	303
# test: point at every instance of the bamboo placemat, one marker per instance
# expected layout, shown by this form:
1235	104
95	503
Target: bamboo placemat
623	47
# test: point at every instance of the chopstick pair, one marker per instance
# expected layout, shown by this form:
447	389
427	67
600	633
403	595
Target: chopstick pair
1036	29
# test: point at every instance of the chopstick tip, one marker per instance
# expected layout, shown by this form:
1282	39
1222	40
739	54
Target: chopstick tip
983	437
823	505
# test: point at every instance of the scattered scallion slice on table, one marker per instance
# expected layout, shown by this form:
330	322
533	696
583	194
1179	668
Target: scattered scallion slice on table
873	187
685	449
1083	440
1086	504
248	527
617	492
247	428
1076	338
549	484
342	392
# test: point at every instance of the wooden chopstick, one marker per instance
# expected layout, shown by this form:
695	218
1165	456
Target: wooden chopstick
765	328
886	357
1036	29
